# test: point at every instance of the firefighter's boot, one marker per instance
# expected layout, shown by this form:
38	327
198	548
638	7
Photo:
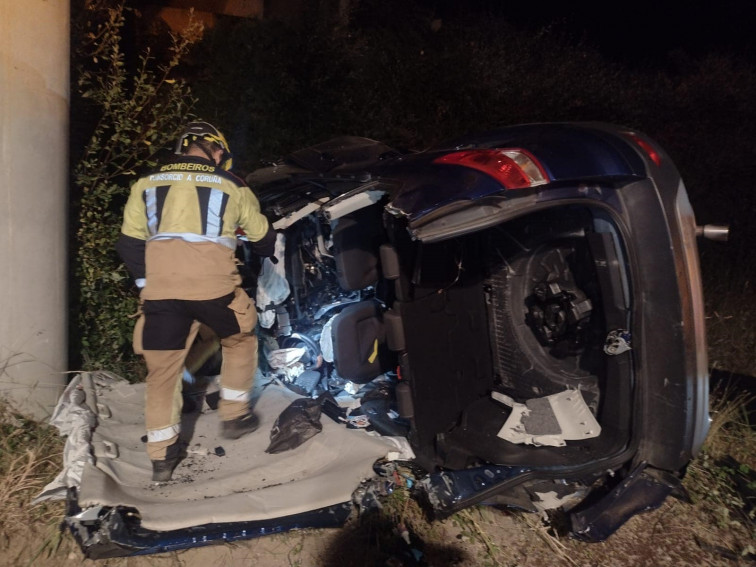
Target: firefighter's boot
235	428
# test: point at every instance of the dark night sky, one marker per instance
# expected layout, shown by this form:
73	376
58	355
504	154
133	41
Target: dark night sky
633	32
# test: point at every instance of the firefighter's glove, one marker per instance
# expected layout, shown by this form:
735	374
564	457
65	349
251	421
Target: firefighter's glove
266	246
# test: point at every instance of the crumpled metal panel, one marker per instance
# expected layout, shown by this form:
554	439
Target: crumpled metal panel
641	491
115	532
449	491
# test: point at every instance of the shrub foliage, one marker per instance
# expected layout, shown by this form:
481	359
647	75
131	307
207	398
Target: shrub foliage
131	112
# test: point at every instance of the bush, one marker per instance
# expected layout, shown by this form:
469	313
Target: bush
131	115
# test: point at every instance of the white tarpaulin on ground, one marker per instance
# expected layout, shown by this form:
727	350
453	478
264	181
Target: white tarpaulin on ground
245	484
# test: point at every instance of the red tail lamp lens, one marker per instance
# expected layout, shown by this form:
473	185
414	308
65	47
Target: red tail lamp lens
646	147
513	168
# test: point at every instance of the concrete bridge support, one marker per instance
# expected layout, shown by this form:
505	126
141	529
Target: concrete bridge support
34	103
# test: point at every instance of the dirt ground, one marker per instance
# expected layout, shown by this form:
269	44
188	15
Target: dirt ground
676	534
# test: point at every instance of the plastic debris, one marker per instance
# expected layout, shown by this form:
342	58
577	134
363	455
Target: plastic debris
360	421
351	388
617	342
326	340
297	423
272	285
404	532
286	361
402	449
331	408
548	421
198	449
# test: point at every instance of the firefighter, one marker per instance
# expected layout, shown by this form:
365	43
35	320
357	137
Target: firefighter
178	243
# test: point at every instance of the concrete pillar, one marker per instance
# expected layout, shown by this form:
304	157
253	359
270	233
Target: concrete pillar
34	63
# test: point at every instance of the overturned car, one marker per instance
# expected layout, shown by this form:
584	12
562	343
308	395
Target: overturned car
521	308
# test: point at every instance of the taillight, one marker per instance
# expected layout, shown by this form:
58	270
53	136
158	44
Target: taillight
513	168
646	147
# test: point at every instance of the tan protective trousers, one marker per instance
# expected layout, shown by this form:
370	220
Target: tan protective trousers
163	401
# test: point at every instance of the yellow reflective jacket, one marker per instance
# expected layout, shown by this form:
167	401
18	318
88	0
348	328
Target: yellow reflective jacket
185	216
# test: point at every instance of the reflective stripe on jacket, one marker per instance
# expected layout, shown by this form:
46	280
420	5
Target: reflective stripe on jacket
205	204
187	212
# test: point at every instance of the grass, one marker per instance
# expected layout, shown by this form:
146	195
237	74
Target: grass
722	480
730	307
731	332
30	457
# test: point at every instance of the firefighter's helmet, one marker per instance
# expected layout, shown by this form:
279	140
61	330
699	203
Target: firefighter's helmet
199	130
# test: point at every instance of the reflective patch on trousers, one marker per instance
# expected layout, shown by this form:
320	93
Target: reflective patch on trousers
157	435
234	395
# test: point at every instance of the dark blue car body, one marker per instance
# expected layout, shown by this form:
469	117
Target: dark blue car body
608	189
523	262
